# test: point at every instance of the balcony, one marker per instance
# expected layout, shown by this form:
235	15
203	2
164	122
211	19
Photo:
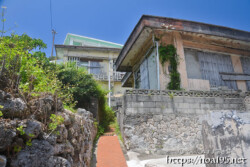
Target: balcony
117	76
98	69
101	77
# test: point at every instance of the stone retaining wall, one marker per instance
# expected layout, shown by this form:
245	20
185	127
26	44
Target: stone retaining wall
185	123
26	140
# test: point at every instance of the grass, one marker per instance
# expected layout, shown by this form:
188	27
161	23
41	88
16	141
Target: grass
69	108
115	125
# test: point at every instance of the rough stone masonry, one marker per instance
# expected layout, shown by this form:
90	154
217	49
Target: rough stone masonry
180	123
70	145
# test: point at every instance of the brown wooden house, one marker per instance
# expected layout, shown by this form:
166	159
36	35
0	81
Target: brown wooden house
209	56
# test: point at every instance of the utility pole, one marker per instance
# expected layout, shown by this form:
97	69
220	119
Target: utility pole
53	35
109	83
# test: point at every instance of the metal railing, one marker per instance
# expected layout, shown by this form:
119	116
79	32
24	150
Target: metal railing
117	76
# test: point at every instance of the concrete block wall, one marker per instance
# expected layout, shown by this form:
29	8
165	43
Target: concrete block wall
163	103
116	103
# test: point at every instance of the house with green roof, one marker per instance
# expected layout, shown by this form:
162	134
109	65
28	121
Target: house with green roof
78	40
97	56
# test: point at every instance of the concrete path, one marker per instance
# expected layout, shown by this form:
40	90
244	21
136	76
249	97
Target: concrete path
143	160
109	152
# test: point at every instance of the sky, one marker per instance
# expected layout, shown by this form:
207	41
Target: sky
114	20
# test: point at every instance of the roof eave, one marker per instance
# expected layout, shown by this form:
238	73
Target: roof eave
88	48
179	25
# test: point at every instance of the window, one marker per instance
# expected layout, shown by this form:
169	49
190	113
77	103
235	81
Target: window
73	59
95	67
208	66
83	64
146	75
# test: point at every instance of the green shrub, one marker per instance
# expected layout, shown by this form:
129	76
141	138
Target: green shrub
13	50
31	73
100	131
106	114
84	87
38	75
27	71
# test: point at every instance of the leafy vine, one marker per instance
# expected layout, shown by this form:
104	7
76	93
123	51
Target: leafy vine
168	53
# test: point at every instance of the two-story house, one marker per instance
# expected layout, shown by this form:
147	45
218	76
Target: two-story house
97	56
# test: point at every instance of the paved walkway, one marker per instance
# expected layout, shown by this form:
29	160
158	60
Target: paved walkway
109	152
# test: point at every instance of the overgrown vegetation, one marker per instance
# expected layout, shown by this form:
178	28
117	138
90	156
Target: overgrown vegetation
100	131
28	74
116	126
14	51
168	53
84	88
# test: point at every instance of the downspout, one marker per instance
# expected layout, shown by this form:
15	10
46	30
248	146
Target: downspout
158	64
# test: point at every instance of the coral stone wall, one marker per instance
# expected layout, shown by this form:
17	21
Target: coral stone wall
186	123
70	145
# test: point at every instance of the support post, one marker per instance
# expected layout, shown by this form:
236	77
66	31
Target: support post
158	66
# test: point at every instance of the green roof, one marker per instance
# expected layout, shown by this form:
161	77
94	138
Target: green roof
78	40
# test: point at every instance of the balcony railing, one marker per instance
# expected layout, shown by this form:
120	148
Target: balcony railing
102	77
117	76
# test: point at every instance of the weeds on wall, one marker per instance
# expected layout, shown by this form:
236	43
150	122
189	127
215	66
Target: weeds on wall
168	54
1	114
